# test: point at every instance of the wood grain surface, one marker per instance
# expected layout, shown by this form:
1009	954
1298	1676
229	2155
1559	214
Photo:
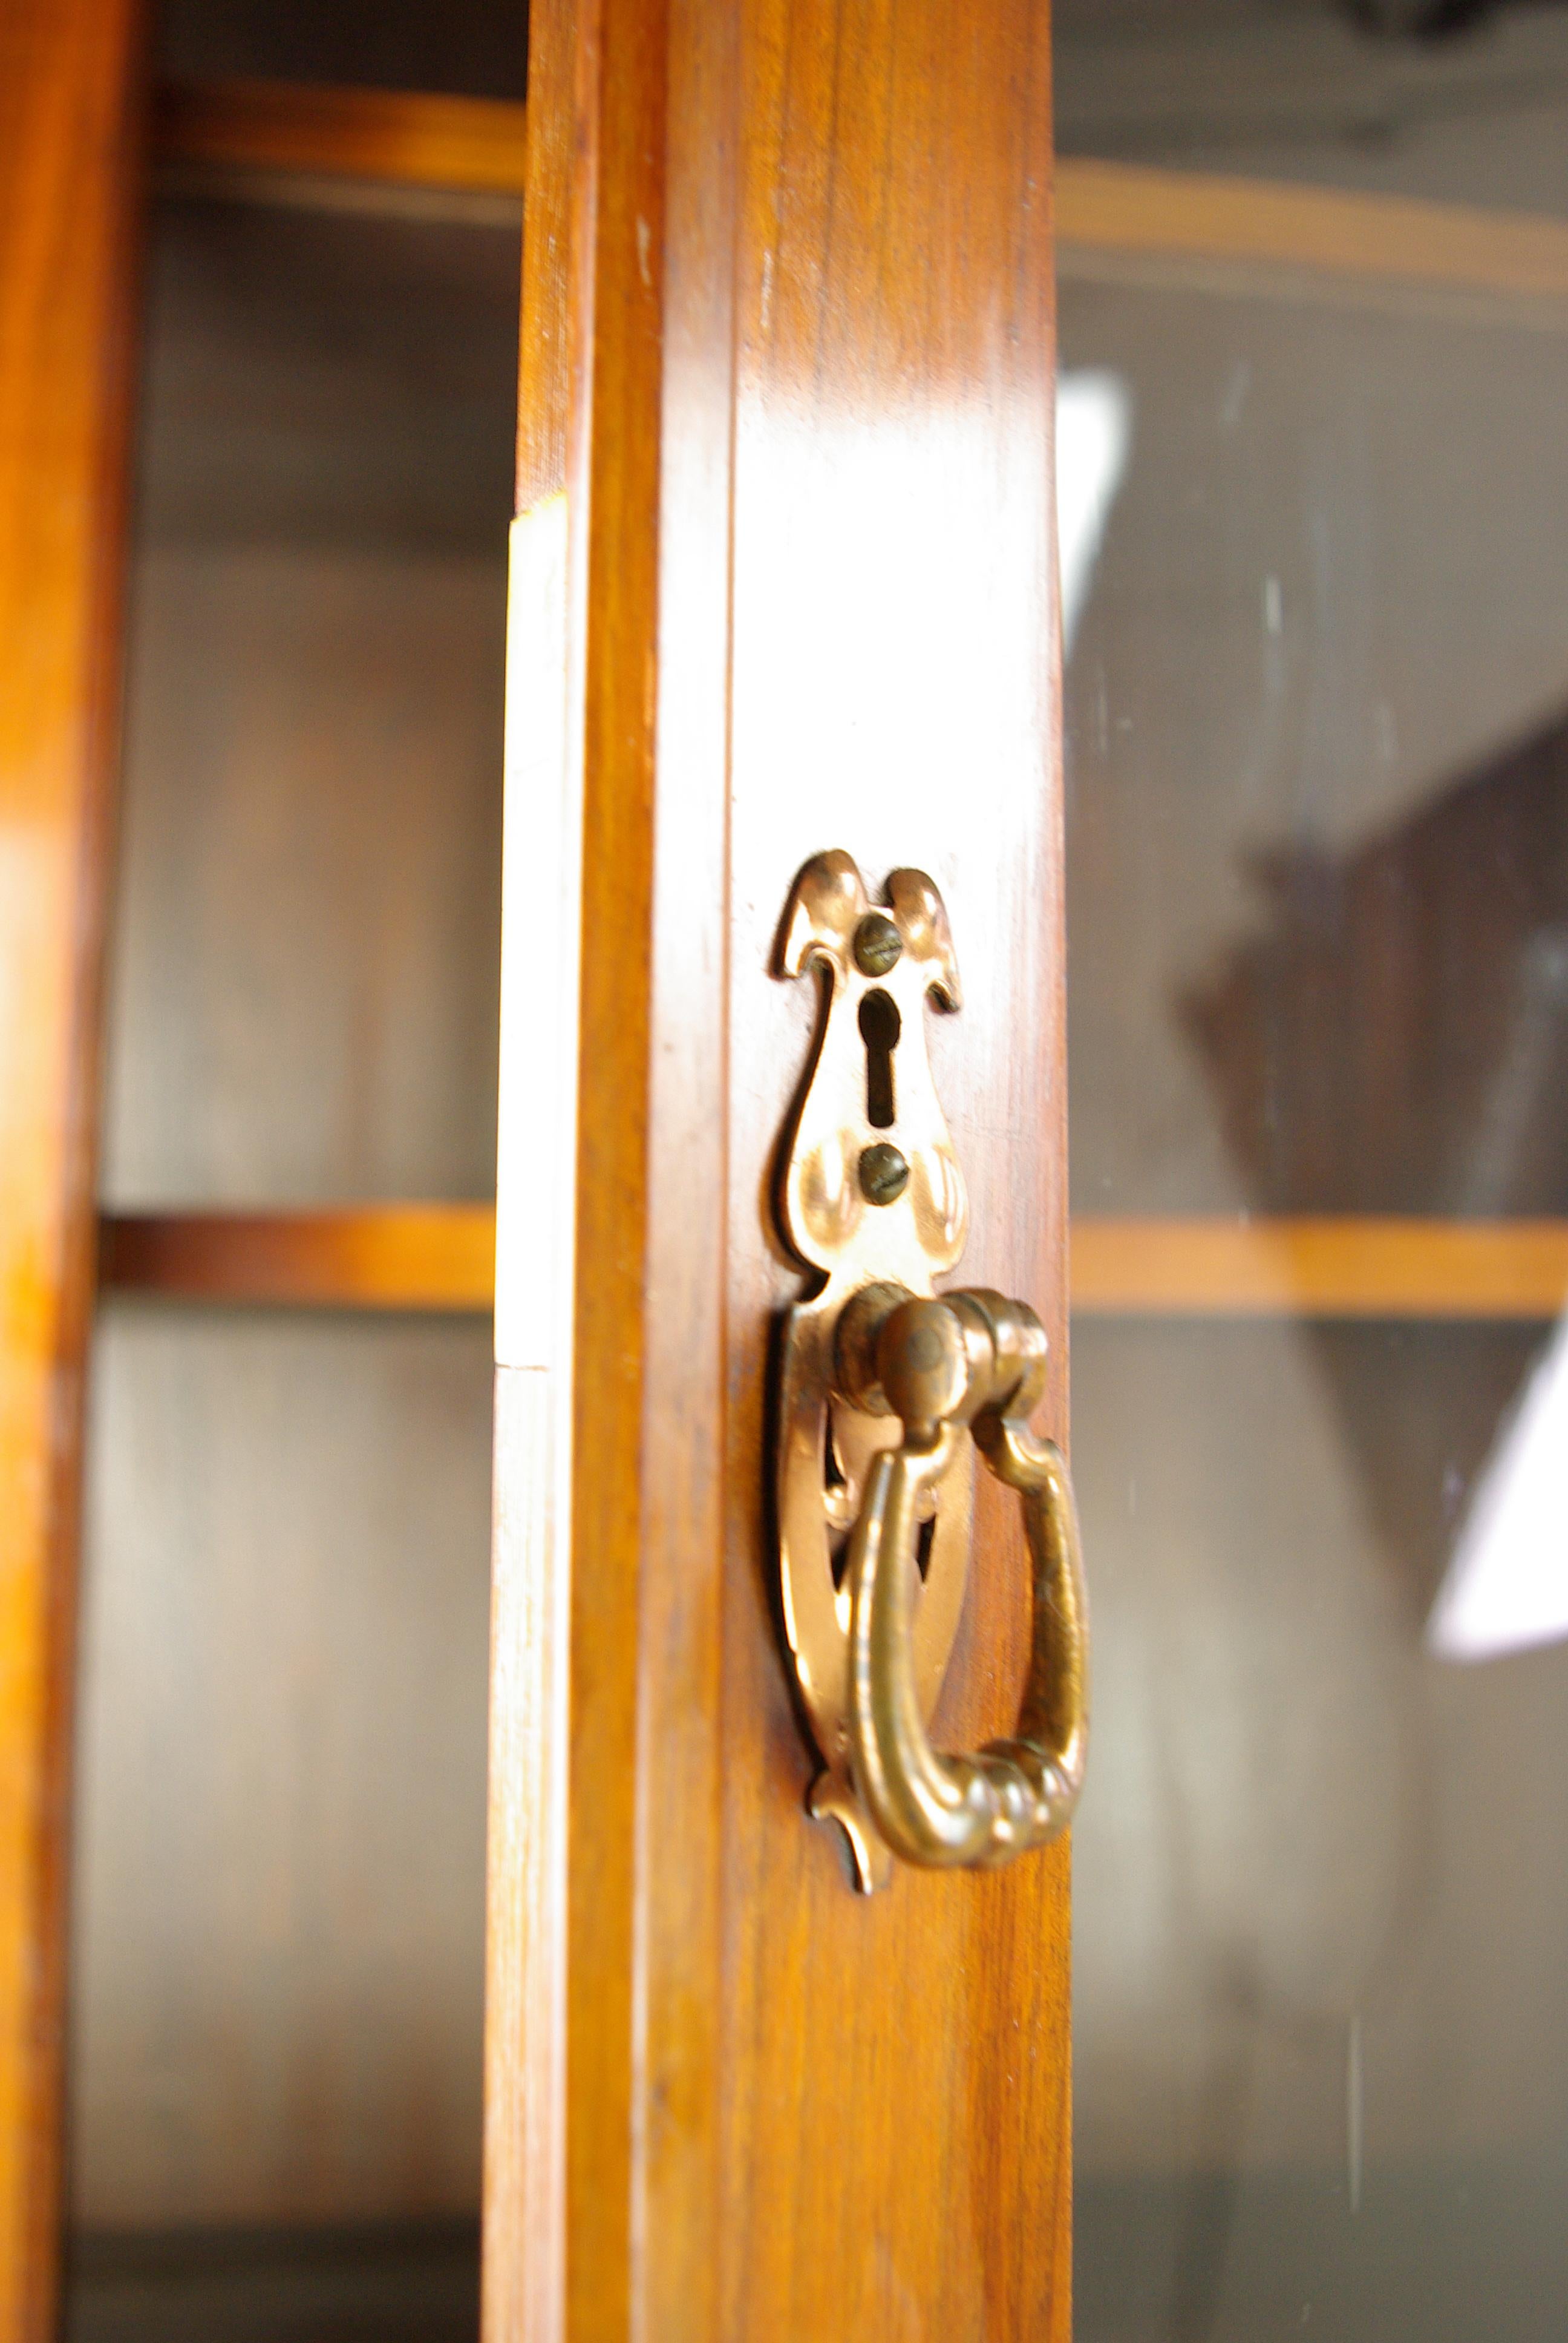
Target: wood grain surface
808	365
69	182
419	140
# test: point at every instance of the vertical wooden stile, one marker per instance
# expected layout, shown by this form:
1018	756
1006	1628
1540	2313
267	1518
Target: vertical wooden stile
70	155
787	394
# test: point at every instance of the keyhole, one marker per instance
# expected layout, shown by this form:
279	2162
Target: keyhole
880	1028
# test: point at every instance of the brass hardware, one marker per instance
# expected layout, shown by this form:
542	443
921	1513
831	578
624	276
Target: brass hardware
884	1174
877	944
978	1360
878	1382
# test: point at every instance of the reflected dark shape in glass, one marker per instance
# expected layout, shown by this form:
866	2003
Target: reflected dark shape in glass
1395	1039
1318	904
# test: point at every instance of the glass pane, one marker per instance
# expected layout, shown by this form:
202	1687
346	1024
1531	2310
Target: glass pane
474	47
278	1937
303	999
1317	91
1319	729
1313	533
277	1953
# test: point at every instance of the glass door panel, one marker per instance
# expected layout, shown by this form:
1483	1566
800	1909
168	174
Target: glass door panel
277	1958
1315	553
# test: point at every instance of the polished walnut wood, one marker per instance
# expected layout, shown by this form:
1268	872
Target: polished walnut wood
250	128
374	1257
1113	208
809	603
69	150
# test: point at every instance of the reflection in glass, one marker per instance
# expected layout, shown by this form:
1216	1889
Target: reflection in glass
1317	708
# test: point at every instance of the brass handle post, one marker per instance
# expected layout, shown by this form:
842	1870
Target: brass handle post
969	1361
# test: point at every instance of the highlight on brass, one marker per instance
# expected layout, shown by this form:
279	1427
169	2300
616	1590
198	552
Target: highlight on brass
881	1386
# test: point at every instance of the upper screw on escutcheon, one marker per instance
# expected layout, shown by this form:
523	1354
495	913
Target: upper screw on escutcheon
879	946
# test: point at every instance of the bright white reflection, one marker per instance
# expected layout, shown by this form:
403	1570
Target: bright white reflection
1507	1586
1093	426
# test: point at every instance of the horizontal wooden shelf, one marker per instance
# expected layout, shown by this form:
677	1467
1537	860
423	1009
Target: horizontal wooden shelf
262	130
257	128
1330	1267
369	1257
441	1257
1328	231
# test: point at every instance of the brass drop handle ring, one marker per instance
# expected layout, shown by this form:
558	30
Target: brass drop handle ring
878	1383
969	1361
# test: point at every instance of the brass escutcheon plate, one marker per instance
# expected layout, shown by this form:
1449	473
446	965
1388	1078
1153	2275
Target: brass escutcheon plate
869	1193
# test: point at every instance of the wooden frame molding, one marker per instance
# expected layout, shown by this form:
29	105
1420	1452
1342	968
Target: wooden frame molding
71	151
787	300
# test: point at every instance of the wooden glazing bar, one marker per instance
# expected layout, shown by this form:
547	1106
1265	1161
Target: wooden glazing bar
1382	240
440	1257
392	1257
1338	1267
471	145
477	145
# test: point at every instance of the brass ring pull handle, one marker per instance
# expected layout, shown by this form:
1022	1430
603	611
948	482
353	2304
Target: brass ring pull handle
878	1382
972	1359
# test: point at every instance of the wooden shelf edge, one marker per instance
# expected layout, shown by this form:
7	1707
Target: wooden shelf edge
1337	1266
1328	231
261	130
442	1257
374	1257
464	144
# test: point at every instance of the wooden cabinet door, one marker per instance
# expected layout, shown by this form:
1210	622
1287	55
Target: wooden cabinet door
783	583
